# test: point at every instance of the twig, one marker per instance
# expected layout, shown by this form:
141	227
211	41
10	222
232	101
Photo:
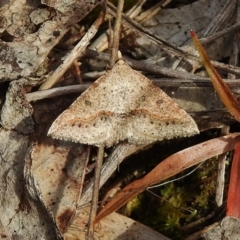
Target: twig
74	54
150	13
147	67
151	68
161	82
101	43
198	224
98	167
55	92
95	191
221	172
116	33
121	151
215	36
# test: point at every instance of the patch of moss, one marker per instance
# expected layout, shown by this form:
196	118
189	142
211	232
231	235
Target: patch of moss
178	203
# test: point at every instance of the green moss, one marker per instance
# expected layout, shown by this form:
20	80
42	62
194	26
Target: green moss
178	203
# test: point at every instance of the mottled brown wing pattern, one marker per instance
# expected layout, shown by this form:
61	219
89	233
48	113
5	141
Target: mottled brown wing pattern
122	105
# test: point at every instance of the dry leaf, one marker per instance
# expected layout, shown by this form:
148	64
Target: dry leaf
56	171
22	217
173	25
115	226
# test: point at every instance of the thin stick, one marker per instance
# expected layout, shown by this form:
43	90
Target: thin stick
94	203
221	172
147	67
98	168
215	36
116	33
220	179
161	82
121	151
102	42
75	53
